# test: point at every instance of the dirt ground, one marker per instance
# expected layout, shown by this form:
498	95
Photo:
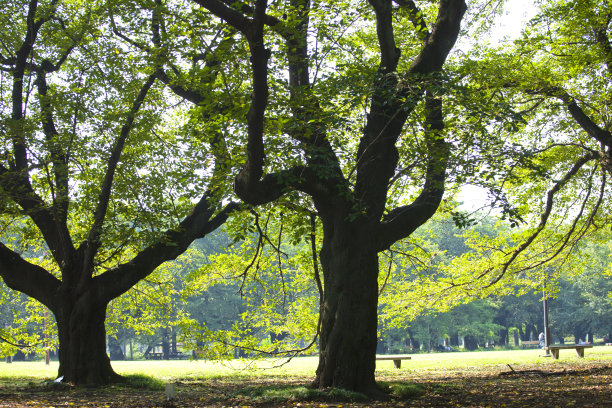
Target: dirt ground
585	384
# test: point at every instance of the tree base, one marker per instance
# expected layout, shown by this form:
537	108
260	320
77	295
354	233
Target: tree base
372	393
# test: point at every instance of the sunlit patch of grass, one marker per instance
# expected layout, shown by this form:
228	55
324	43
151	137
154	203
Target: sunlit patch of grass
204	369
26	374
483	359
31	374
36	370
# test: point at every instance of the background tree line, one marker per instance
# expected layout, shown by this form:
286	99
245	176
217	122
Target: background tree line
186	307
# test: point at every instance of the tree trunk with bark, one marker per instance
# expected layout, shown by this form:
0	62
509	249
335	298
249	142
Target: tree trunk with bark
165	343
502	336
470	342
454	339
82	345
349	315
516	338
115	351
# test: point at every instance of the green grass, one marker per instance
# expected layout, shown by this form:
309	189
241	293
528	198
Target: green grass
454	360
174	370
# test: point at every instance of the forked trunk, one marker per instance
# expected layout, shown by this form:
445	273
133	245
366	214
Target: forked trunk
82	338
349	317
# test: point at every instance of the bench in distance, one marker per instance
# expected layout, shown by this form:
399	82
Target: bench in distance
554	350
397	359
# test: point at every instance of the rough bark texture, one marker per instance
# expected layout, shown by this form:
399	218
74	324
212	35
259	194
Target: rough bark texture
82	337
349	316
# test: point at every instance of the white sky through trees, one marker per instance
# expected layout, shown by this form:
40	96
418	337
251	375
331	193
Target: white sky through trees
508	27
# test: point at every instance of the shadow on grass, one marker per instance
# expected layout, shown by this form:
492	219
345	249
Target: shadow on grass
142	381
403	390
266	394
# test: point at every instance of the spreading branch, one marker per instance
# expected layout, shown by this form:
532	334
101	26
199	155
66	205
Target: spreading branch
18	274
550	195
201	221
93	240
402	221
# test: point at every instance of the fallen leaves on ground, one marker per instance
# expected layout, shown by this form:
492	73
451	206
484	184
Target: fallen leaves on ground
582	384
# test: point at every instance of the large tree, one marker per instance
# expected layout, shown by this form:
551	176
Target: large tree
90	177
305	139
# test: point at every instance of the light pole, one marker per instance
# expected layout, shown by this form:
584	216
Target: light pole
546	329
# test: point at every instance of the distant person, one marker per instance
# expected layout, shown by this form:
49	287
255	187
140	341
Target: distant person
541	339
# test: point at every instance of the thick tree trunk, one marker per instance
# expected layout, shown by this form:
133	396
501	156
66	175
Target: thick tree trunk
516	339
454	339
166	343
349	316
503	337
531	332
114	349
470	342
82	339
173	345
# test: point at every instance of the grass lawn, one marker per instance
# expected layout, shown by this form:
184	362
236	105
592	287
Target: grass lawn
439	379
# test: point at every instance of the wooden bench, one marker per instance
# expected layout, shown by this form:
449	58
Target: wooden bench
154	356
177	356
527	343
397	359
554	350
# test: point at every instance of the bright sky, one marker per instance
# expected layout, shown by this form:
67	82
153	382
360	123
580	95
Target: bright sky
517	13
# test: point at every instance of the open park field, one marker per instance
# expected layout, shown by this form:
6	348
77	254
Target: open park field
463	379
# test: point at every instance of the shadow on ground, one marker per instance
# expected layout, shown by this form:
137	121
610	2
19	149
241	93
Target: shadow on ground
575	384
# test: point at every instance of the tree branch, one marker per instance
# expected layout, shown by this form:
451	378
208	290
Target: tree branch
579	115
389	53
402	221
234	18
171	244
60	166
586	123
393	101
442	39
547	210
22	276
21	57
93	240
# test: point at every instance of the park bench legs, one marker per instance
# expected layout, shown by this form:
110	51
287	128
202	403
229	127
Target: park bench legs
579	350
397	359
